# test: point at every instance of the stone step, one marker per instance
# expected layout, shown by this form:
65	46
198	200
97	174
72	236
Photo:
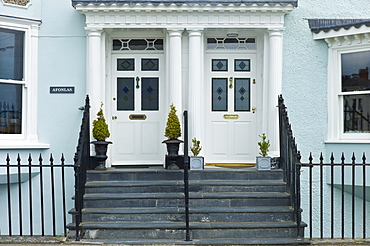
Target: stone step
203	241
226	199
178	186
240	214
175	230
113	174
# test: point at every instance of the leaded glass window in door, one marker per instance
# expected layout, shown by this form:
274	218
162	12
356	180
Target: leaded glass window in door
219	94
149	93
242	94
125	94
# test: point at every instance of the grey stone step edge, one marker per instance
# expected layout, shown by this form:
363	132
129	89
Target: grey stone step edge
94	184
196	210
192	195
206	241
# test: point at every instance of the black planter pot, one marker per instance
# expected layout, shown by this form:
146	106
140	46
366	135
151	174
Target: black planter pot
101	148
173	146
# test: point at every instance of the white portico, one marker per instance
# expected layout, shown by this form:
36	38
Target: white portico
222	62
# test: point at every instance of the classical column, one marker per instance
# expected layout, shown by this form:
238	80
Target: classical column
175	69
94	76
196	90
275	87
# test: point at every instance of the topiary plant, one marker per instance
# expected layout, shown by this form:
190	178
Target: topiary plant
264	145
196	147
100	129
173	129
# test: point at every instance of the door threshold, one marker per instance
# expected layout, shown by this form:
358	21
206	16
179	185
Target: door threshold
138	166
232	165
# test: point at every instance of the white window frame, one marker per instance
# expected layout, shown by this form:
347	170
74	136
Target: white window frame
342	42
28	138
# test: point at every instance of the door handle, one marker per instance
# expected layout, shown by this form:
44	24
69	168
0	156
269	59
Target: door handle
231	82
137	82
254	109
114	117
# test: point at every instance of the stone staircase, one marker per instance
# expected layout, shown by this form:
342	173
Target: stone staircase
228	206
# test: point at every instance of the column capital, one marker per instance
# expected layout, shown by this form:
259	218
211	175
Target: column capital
278	31
195	31
175	31
93	31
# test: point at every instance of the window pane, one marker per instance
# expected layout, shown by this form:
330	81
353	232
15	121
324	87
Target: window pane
149	94
242	94
148	64
125	64
219	94
11	54
356	113
355	71
219	65
10	109
125	93
242	65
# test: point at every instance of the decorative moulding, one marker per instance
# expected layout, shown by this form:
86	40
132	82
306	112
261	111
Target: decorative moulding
162	15
21	3
184	19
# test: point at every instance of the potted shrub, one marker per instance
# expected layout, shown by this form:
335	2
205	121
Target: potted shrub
263	161
172	132
100	132
196	162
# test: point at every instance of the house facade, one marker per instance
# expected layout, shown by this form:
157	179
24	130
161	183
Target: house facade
226	62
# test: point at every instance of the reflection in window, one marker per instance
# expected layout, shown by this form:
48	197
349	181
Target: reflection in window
355	71
356	113
11	54
10	109
355	78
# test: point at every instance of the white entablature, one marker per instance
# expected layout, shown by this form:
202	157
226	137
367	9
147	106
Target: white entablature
207	16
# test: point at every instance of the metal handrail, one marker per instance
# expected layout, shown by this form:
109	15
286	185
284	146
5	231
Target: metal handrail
81	164
186	175
290	162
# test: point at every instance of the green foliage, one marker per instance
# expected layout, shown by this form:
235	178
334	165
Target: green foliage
100	129
173	129
264	145
196	147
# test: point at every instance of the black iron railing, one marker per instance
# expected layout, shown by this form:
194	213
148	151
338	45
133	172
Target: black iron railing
37	213
81	164
340	214
186	175
290	162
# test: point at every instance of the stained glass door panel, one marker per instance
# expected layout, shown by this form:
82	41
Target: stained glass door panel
149	93
125	94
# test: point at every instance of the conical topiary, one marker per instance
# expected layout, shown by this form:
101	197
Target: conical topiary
100	129
173	129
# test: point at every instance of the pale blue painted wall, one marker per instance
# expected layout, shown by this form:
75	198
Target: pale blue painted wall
62	54
305	93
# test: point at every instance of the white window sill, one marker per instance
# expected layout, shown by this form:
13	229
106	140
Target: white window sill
5	144
349	141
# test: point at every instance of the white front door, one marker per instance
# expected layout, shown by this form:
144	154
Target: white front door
231	100
138	118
